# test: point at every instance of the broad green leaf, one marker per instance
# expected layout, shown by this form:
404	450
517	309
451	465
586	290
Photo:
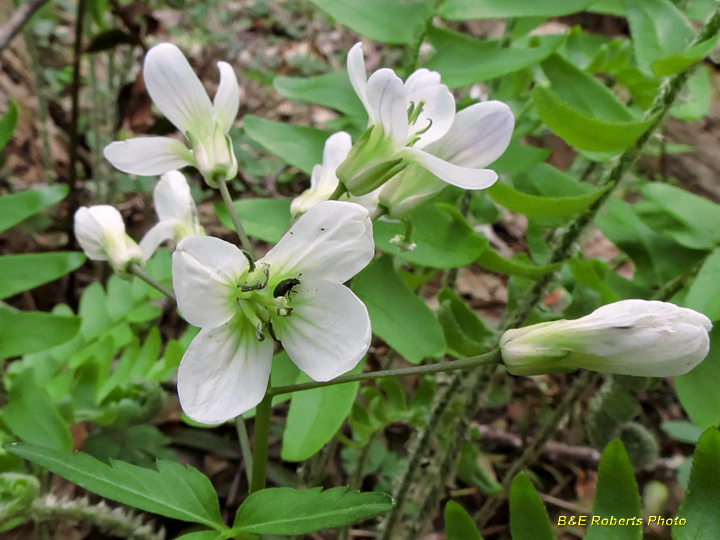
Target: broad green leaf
444	238
677	62
582	130
587	273
286	511
465	332
608	7
174	491
265	219
519	157
315	416
616	495
493	261
548	181
459	525
94	312
387	21
23	332
299	146
697	389
18	206
463	10
463	60
203	535
332	90
702	499
27	271
534	206
683	431
398	316
658	28
528	517
8	123
704	293
694	102
32	416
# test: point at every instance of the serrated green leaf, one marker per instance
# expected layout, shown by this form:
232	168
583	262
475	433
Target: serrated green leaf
315	416
463	10
658	28
299	146
702	499
697	389
616	495
387	21
19	206
27	271
32	416
528	517
286	511
23	332
493	261
173	490
398	316
463	60
459	525
332	90
443	236
8	123
535	206
265	219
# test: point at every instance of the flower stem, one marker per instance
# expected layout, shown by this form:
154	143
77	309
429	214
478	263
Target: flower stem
244	240
493	357
261	439
142	274
244	447
340	190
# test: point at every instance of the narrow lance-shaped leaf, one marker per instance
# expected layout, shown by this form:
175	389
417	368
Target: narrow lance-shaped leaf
458	523
535	206
27	271
19	206
528	517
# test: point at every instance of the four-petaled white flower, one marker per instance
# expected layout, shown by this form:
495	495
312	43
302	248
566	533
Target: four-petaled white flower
295	294
176	210
631	337
410	123
181	97
100	231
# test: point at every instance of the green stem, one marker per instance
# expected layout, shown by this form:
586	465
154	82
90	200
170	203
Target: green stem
261	439
244	240
244	447
340	190
493	357
139	272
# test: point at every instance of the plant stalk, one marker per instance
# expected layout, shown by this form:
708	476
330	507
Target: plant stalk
244	240
261	439
142	274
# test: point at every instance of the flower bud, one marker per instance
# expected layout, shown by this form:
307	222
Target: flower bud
215	158
371	162
101	233
632	337
409	189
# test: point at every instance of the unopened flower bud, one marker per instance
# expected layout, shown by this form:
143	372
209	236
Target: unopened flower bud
632	337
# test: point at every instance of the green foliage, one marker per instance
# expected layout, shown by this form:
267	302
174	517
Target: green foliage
529	519
32	331
703	294
609	410
465	333
332	90
458	523
470	470
702	499
398	316
8	123
19	206
462	10
27	271
641	445
697	389
288	511
265	219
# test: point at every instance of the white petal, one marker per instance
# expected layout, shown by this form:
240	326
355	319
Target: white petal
357	73
478	136
332	241
224	372
388	108
158	233
94	226
328	332
177	91
148	156
205	274
463	177
336	149
421	78
172	198
438	110
227	98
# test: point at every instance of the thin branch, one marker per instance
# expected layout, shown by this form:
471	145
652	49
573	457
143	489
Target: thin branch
18	20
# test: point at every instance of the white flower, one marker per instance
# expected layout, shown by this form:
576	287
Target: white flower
176	210
181	97
323	180
295	294
406	119
632	337
100	231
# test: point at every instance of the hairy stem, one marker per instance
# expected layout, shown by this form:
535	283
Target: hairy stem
244	240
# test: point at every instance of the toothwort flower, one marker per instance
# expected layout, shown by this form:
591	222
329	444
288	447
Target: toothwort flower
100	231
181	97
176	210
631	337
410	123
294	294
